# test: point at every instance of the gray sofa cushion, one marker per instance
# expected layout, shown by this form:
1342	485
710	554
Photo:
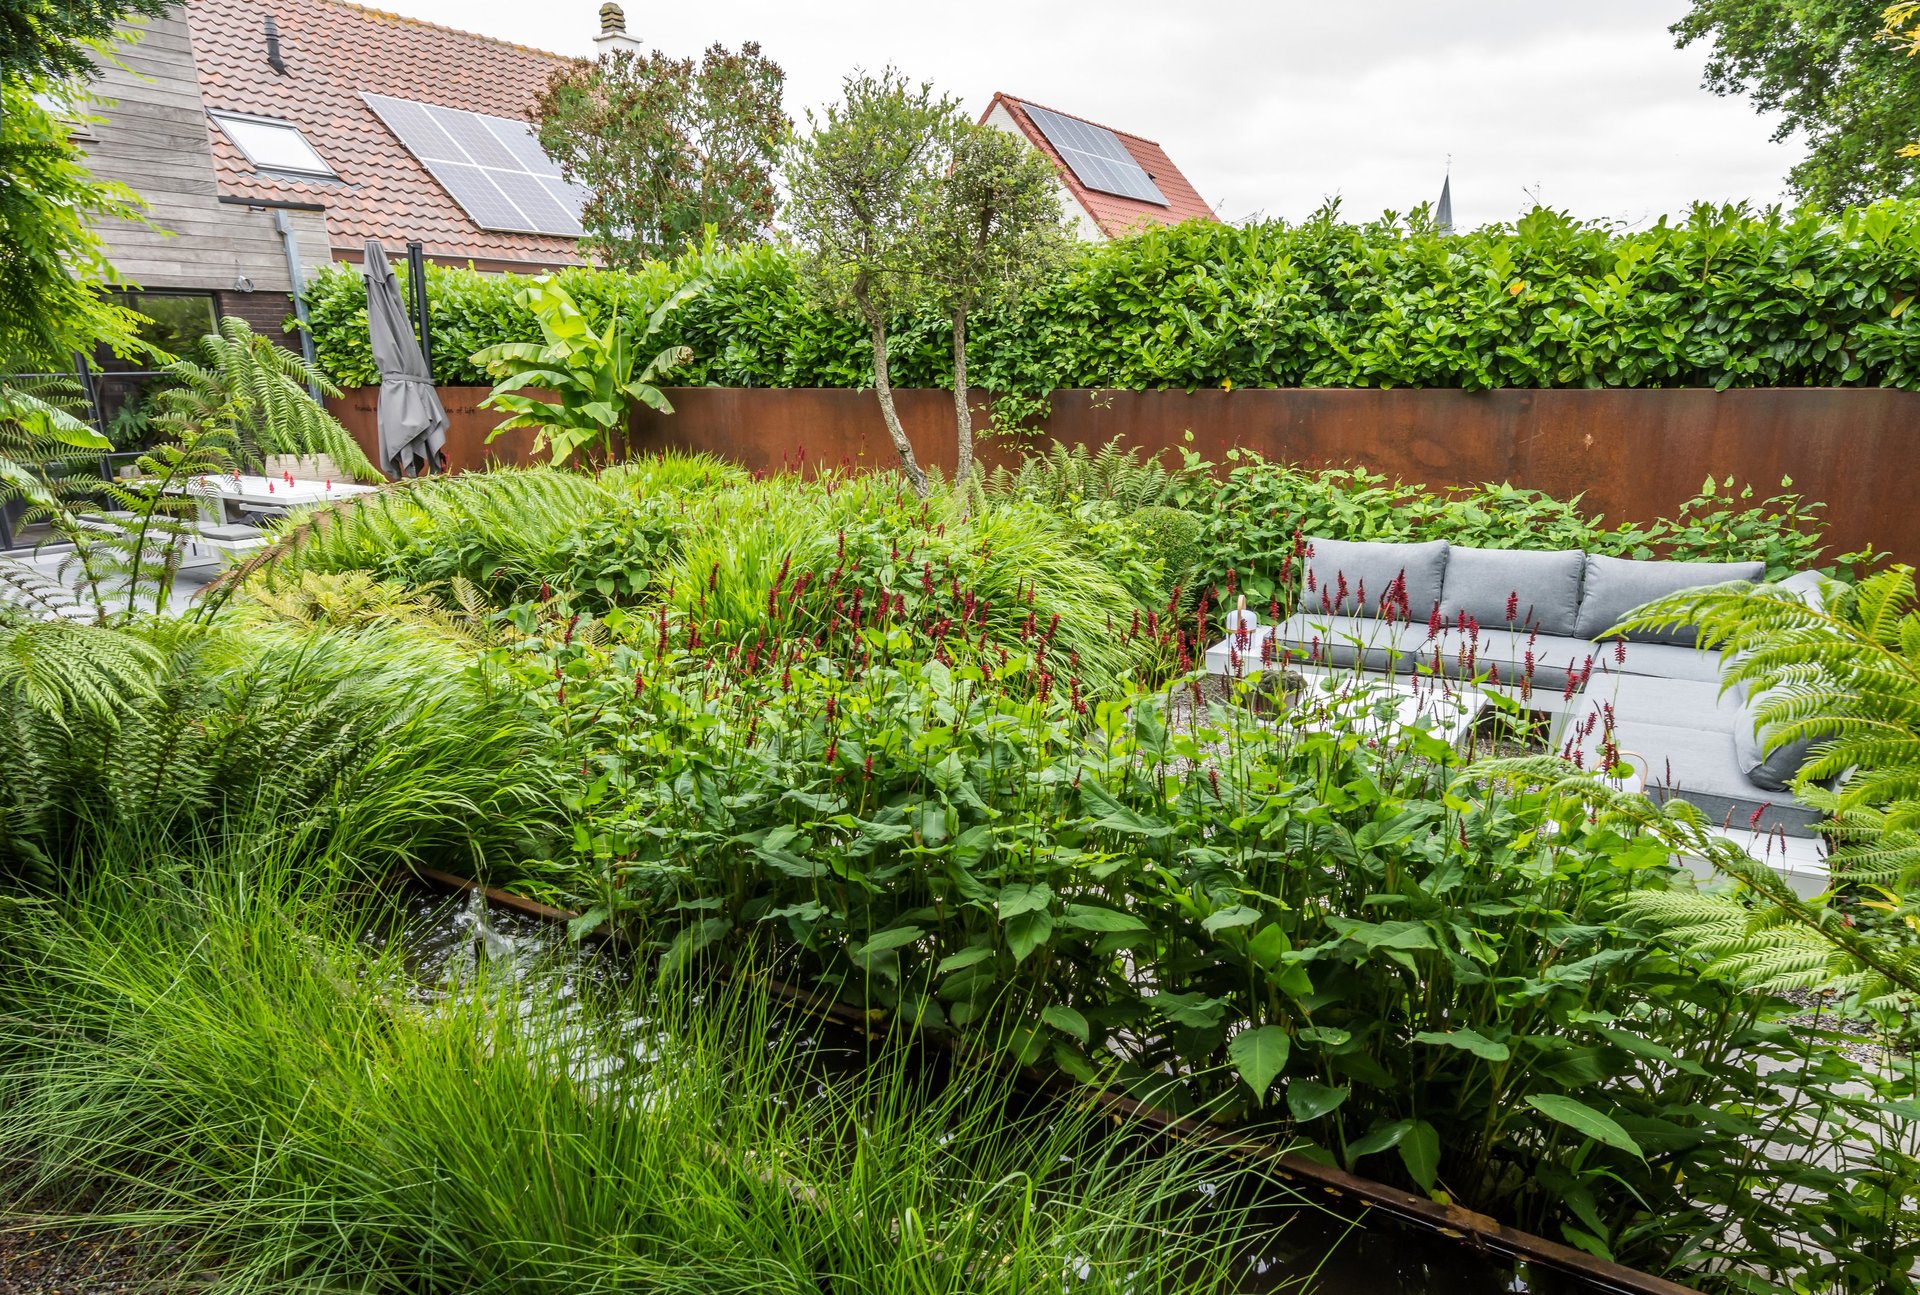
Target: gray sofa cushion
1312	638
1479	583
1675	703
1615	586
1372	566
1505	651
1660	660
1698	766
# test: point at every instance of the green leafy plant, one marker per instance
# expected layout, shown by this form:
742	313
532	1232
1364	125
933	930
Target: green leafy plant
1434	979
594	374
1714	297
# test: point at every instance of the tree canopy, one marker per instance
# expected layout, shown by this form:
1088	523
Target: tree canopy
666	148
52	262
53	38
1825	68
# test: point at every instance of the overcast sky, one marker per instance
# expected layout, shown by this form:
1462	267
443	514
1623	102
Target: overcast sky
1271	107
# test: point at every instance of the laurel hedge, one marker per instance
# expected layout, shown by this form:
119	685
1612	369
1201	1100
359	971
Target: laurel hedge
1726	297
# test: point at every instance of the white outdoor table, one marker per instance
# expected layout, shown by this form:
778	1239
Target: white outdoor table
255	493
1356	700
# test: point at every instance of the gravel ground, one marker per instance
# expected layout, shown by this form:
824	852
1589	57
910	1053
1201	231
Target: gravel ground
1864	1043
42	1256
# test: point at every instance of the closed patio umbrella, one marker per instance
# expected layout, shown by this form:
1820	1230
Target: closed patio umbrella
413	423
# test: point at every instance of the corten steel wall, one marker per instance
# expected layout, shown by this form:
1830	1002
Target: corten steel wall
1633	455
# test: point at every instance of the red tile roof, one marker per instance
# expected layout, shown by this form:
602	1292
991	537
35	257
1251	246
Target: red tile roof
334	51
1114	214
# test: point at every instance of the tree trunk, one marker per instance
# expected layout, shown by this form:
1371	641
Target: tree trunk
883	387
962	415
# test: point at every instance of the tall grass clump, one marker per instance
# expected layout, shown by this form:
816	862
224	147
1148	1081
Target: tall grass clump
206	1046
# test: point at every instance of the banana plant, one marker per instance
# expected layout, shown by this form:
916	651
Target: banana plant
588	376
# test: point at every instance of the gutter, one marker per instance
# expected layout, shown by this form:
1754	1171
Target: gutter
290	244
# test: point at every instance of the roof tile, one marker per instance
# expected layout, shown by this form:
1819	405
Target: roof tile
334	51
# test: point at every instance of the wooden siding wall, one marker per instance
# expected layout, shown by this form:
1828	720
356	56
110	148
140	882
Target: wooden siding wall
154	141
1631	455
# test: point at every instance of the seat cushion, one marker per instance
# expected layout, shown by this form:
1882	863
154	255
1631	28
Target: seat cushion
230	532
1365	570
1614	587
1500	655
1542	587
1675	703
1698	766
1660	660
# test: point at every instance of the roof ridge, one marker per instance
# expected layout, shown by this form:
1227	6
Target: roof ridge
409	19
1002	94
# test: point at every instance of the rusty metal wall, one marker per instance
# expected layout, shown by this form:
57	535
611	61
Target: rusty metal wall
1632	454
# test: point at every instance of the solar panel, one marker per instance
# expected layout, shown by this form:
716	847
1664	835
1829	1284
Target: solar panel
493	167
1097	156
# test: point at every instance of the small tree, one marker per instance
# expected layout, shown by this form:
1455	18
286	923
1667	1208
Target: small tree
859	186
993	230
666	148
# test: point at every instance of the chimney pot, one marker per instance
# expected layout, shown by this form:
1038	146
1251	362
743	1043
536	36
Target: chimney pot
613	31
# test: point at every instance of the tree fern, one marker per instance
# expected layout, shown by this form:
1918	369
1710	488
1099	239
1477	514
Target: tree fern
1762	930
64	670
38	430
258	394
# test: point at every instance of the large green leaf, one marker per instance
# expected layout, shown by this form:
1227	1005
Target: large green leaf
1259	1054
1115	817
1467	1041
1583	1119
1309	1099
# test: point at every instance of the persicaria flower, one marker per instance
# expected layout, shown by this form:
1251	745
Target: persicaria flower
833	750
866	766
833	704
1213	780
1619	651
1513	606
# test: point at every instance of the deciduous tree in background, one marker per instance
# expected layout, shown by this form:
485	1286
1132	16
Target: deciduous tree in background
1823	66
860	185
994	229
666	147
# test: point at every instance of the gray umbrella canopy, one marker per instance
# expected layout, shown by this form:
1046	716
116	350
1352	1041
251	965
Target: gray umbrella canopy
413	424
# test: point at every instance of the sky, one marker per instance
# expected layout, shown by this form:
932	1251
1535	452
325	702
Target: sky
1272	107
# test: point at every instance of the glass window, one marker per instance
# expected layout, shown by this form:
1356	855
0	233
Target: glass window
175	321
273	145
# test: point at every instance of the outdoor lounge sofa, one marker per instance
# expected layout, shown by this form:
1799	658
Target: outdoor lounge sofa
1531	622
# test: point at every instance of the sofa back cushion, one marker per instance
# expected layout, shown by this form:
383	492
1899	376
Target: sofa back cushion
1615	586
1366	570
1543	587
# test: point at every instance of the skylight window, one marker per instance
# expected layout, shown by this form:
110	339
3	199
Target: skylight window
273	145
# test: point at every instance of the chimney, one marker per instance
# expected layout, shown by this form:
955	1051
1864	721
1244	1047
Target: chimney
613	31
274	60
